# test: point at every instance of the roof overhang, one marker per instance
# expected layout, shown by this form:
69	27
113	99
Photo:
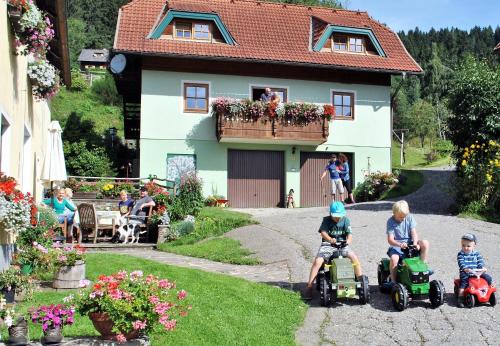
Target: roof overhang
330	29
173	14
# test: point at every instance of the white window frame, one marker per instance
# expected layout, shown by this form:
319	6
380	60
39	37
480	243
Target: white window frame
5	142
181	104
26	172
355	97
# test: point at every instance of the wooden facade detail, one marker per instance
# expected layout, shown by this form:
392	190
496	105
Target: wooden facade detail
315	133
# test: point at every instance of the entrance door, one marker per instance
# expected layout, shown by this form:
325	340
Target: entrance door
314	193
256	179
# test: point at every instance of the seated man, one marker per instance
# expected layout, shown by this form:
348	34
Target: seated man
139	212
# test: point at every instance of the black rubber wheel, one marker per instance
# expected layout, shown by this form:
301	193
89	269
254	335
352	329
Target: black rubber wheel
324	292
382	277
364	290
400	297
493	299
455	290
436	293
470	301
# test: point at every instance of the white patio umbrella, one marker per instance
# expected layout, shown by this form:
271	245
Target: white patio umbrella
54	166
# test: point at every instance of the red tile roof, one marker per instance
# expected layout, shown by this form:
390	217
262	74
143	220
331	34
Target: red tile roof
263	31
497	47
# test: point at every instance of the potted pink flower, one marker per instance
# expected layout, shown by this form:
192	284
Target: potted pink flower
52	318
124	305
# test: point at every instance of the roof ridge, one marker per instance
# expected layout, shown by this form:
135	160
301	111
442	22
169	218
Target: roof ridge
282	4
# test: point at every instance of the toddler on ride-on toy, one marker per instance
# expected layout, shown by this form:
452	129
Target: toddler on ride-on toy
335	228
471	265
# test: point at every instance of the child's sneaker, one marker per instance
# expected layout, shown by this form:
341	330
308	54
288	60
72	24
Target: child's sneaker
307	293
460	302
388	285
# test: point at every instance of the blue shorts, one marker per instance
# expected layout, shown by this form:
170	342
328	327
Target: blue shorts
464	279
395	251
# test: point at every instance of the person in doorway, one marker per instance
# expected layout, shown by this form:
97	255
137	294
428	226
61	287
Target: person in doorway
333	169
266	95
344	176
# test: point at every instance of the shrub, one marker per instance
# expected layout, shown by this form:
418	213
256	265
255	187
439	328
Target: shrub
190	200
431	156
78	82
443	147
105	89
84	162
374	186
41	232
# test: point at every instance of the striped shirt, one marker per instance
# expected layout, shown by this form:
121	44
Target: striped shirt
472	260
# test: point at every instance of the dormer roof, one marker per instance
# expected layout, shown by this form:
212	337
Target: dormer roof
262	31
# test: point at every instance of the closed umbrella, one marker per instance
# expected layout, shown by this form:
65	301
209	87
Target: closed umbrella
54	166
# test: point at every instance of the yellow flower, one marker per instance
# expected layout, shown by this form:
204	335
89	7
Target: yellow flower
466	155
472	146
464	162
489	178
466	149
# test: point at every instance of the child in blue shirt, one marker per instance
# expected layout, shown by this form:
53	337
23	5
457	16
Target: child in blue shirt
333	169
469	260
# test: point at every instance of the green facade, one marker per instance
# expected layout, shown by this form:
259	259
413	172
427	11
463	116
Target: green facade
166	129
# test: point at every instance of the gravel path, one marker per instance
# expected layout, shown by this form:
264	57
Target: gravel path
291	235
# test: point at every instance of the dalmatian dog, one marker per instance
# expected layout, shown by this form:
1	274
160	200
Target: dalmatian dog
128	230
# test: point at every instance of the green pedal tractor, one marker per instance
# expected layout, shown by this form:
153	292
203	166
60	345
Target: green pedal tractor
336	279
412	281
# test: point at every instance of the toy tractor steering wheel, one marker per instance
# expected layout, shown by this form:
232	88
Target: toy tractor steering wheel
411	251
476	272
340	244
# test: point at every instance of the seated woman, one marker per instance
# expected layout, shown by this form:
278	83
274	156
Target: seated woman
125	206
68	193
59	204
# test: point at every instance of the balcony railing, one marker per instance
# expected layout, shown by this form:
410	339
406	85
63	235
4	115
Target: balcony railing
271	131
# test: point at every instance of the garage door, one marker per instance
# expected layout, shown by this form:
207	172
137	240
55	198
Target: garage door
256	179
313	193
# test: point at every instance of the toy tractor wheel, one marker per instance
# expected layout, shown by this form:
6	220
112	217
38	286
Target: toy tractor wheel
324	292
382	277
470	301
364	290
436	293
455	290
399	296
493	299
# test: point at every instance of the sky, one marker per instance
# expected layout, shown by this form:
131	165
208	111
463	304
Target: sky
407	14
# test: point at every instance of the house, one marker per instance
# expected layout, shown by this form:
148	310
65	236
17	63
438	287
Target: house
93	58
497	48
174	58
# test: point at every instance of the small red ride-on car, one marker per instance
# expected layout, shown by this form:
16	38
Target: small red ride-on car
478	291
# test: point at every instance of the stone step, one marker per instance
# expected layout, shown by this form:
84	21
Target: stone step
98	247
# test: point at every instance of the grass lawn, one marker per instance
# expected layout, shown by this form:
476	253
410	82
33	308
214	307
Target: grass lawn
206	240
411	182
415	157
226	310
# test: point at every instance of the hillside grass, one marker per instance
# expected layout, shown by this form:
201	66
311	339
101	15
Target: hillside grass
415	156
87	106
226	310
409	182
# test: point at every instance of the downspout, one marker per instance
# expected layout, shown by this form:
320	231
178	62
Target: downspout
393	97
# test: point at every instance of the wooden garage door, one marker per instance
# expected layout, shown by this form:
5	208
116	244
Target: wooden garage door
256	179
312	165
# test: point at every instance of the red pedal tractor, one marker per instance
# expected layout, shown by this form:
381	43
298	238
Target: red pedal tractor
478	291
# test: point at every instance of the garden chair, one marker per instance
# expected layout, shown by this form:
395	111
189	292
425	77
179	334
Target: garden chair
89	222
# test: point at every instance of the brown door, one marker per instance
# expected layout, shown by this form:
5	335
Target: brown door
313	193
256	179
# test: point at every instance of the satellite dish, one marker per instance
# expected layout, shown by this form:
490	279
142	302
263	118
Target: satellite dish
118	63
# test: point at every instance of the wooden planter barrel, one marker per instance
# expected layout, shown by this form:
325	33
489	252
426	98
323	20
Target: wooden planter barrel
69	276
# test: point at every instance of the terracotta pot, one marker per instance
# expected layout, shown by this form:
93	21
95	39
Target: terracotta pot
104	325
53	335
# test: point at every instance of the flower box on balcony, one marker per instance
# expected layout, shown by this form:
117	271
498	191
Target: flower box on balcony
14	13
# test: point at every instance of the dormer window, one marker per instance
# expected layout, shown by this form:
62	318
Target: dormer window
202	31
183	30
348	44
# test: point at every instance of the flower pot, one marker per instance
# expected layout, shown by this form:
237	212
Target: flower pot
85	195
51	336
26	269
69	276
9	294
104	325
18	333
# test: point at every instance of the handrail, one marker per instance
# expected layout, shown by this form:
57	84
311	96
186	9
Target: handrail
152	178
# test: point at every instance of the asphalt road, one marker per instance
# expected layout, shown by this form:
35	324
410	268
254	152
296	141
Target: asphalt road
291	235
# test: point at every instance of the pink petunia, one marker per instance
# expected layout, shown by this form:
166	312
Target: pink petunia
121	339
181	295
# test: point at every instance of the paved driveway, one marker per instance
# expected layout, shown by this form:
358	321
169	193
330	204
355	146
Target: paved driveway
291	235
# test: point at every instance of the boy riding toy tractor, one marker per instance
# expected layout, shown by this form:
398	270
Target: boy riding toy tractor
412	280
336	279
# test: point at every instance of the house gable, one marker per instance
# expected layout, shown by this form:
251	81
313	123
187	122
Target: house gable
172	15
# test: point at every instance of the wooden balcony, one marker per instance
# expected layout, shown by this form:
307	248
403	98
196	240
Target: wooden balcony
274	132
